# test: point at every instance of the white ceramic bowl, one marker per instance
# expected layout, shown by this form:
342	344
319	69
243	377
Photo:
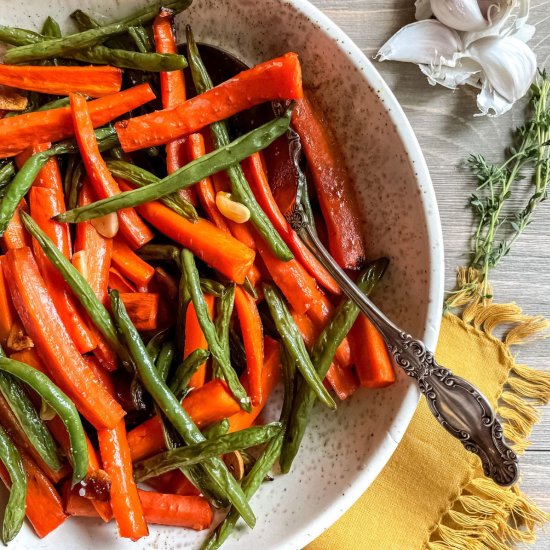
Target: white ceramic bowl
343	452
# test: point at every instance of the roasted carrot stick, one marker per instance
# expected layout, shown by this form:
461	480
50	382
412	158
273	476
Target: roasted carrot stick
195	339
143	308
91	81
205	189
117	281
253	339
257	179
132	228
344	382
7	311
334	188
44	206
279	78
172	88
130	264
41	321
370	355
173	483
22	131
98	249
44	508
271	371
224	253
16	236
75	505
205	405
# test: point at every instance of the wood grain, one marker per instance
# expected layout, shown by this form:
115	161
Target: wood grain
448	132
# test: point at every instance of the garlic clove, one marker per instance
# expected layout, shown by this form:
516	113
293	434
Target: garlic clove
106	226
426	42
509	65
423	10
490	102
462	15
466	71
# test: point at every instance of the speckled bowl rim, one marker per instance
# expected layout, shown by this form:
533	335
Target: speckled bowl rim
436	261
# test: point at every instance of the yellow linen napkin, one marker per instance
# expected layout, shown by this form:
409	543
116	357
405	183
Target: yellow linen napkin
432	493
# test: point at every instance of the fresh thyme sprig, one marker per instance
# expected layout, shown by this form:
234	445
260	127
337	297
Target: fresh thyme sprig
496	232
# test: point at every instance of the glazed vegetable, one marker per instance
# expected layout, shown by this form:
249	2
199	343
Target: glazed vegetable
294	344
130	264
239	186
217	348
61	404
188	175
79	41
322	355
7	312
22	131
224	310
14	513
91	81
184	373
214	467
142	309
164	360
194	454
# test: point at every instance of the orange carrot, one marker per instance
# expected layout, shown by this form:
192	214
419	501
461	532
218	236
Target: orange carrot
142	309
44	508
279	78
195	339
257	179
343	381
98	249
43	204
271	371
117	281
173	483
76	505
20	132
253	339
172	88
41	321
7	312
132	228
16	236
90	81
130	264
370	354
205	405
333	185
224	253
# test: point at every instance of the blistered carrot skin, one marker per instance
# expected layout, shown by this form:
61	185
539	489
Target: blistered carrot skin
333	186
279	78
65	364
22	131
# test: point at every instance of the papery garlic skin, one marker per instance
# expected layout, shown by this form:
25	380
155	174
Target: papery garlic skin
461	15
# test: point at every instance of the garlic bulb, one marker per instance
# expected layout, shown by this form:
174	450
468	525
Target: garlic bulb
481	43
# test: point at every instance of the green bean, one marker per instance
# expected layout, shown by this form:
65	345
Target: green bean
225	485
165	358
217	429
57	47
77	181
209	330
188	175
14	513
294	344
80	287
51	28
141	178
249	287
239	185
261	467
55	104
141	38
199	452
155	344
186	370
106	138
159	252
19	37
61	404
322	355
7	172
224	308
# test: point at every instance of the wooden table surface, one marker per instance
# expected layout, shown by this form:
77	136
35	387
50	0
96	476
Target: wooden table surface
448	132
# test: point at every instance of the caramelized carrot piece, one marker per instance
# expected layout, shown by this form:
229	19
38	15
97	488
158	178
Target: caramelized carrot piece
173	483
195	339
370	354
132	227
142	308
22	131
117	281
7	311
44	508
333	186
130	264
343	381
41	321
16	236
253	339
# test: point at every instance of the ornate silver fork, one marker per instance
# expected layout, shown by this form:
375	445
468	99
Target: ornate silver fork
456	404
